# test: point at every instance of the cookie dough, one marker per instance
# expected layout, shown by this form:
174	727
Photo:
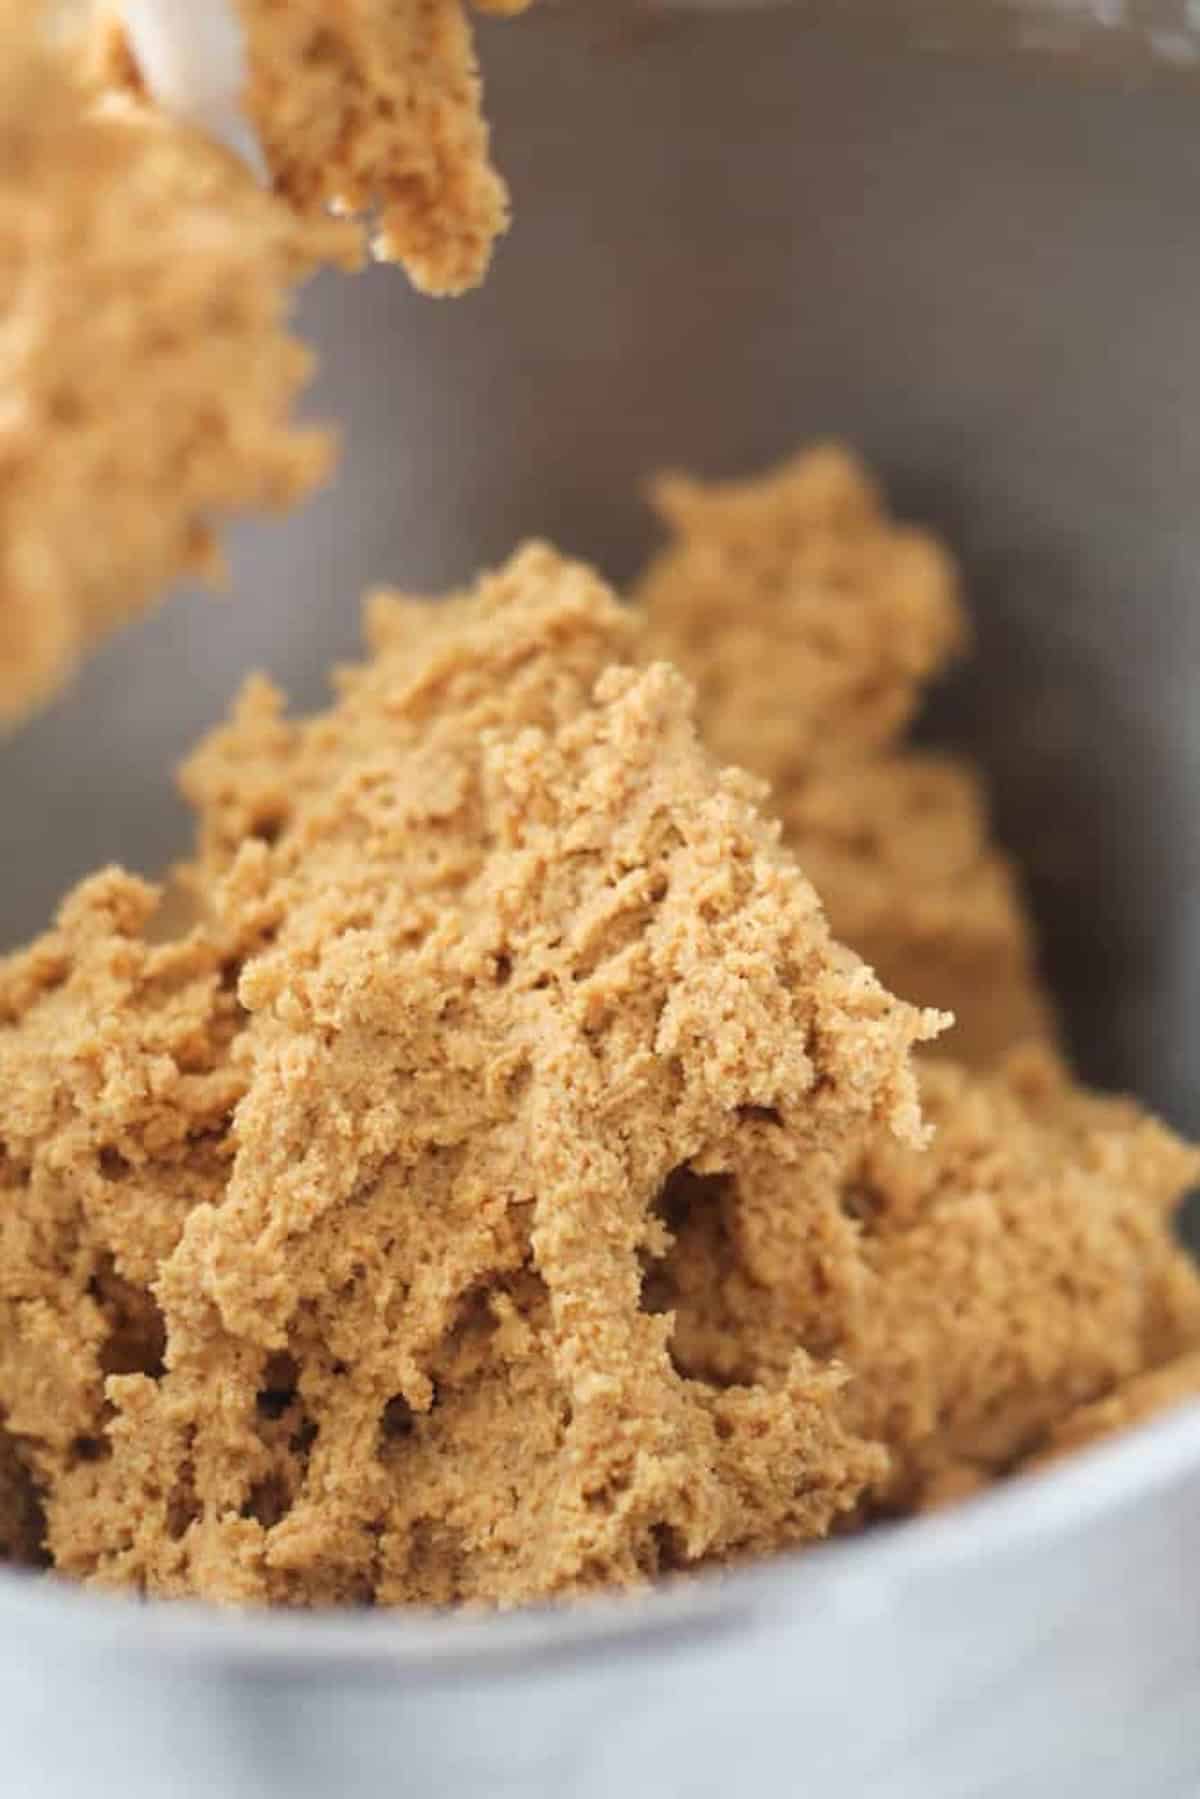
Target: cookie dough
811	623
507	1186
978	1288
375	110
22	1526
148	371
146	283
1138	1400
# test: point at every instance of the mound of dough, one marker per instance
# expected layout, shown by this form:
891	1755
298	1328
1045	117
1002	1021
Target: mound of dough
149	376
324	1228
810	624
507	1187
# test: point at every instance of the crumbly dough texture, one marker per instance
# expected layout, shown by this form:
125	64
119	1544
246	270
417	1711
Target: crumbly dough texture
21	1523
1138	1400
148	372
979	1289
508	1187
493	948
146	283
373	107
810	623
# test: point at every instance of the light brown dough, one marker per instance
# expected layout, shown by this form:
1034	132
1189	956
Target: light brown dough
507	1187
1135	1401
374	107
978	1290
808	621
492	949
899	849
148	373
811	623
146	284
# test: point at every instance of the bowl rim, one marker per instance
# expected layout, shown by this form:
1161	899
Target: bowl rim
1090	1490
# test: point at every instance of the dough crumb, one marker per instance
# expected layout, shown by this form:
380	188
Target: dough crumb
811	623
149	375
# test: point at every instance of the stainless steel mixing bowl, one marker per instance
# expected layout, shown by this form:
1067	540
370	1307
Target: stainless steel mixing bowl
731	236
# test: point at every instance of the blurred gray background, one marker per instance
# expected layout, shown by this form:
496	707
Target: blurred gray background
732	236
